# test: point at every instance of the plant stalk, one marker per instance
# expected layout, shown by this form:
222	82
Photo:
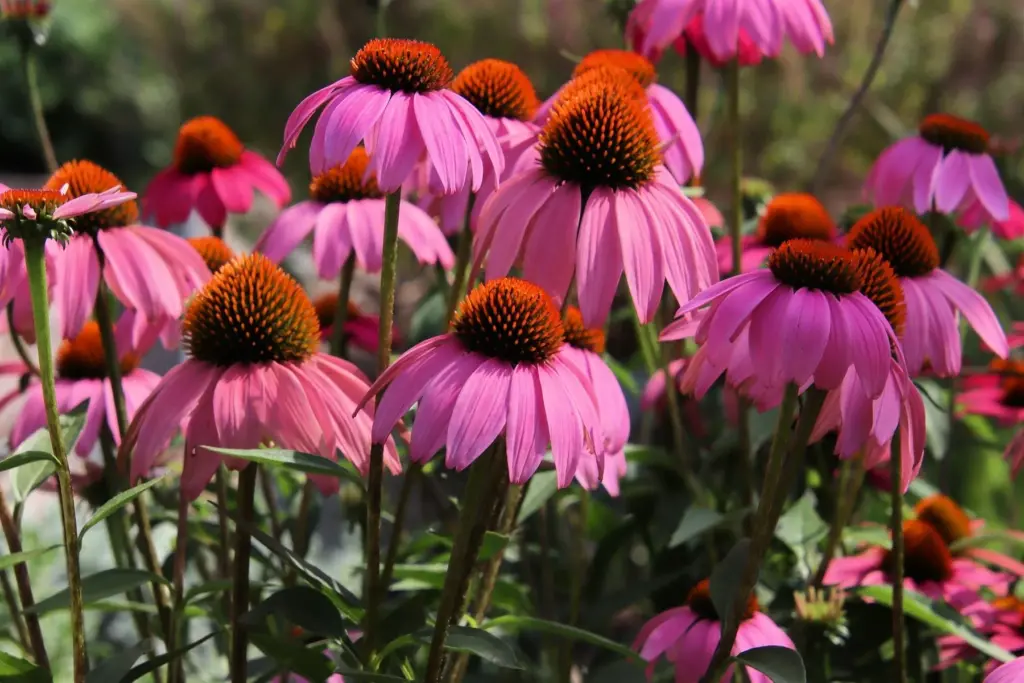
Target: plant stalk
899	656
414	473
28	62
851	478
736	127
240	593
464	252
19	345
21	578
14	612
341	309
177	668
692	94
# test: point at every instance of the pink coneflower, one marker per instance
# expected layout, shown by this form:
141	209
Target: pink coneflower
802	320
945	167
583	347
1011	672
955	526
503	369
505	96
681	147
975	216
360	329
929	568
599	203
933	296
212	173
653	398
687	637
213	250
396	100
998	394
82	376
150	271
253	377
345	213
656	24
787	216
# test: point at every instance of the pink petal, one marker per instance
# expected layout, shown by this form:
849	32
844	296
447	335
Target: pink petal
332	237
298	119
805	335
549	257
435	409
349	119
598	258
233	189
974	307
563	424
952	178
408	387
988	186
443	149
395	143
262	175
208	202
478	417
641	254
75	290
526	435
288	230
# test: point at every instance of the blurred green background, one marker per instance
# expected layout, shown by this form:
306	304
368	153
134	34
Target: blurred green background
118	76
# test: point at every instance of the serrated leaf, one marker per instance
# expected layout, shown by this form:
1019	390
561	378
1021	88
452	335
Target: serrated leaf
780	664
116	503
7	561
542	486
696	520
117	666
293	460
96	587
301	606
725	577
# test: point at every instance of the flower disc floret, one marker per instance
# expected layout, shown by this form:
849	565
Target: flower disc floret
326	308
346	182
816	265
511	320
251	312
880	284
205	143
578	335
498	89
402	65
945	516
900	237
927	557
794	216
82	357
699	600
952	132
215	252
635	64
84	177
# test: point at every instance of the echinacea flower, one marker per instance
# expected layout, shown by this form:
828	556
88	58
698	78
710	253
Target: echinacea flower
149	270
974	216
802	320
583	347
687	637
212	173
1011	672
361	328
599	204
253	377
682	150
929	568
933	296
345	213
694	37
787	216
997	394
213	250
397	101
656	24
82	376
505	96
502	370
944	167
955	526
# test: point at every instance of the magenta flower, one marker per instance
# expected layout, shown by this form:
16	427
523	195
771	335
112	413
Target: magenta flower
1011	672
598	209
212	173
503	369
656	24
254	377
345	213
933	296
361	328
687	637
944	168
747	52
998	394
396	100
975	216
681	147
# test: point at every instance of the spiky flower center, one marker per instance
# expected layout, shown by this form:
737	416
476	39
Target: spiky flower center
636	65
1012	382
945	516
326	308
579	335
952	132
926	558
699	600
599	135
205	143
82	357
498	89
880	284
899	237
346	182
84	177
793	216
816	265
511	320
43	202
215	252
251	312
402	65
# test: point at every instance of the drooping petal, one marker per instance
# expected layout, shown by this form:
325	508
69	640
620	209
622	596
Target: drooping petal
288	230
479	415
598	258
526	435
75	290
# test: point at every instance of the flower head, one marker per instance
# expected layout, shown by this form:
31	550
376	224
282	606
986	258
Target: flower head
83	177
214	251
361	328
787	216
498	89
254	377
998	393
42	214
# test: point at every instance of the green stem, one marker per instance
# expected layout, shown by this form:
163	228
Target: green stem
915	655
341	309
28	62
375	485
415	470
735	127
224	533
577	545
899	657
240	580
21	578
19	345
464	251
35	263
692	95
14	612
851	478
477	501
784	461
746	463
301	537
177	668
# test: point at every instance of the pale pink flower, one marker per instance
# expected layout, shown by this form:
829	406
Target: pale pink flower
254	377
945	168
502	370
345	213
397	102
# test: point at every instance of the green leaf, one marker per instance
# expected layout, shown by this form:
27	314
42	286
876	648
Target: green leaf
116	503
33	468
17	670
412	577
292	656
725	577
780	664
571	633
214	586
489	647
800	528
33	471
96	587
542	486
155	663
117	666
294	460
25	458
922	609
353	675
302	606
7	561
696	520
